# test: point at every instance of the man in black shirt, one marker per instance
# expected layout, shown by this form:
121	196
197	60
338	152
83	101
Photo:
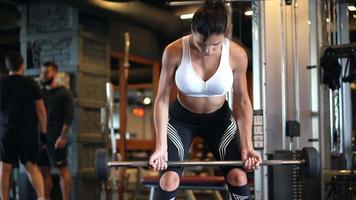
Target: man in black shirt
59	105
21	110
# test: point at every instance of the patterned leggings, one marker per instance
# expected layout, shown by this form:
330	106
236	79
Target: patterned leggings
218	130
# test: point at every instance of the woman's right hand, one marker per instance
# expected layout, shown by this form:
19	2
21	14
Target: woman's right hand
158	160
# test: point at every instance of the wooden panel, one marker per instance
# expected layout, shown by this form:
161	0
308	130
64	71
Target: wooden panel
139	144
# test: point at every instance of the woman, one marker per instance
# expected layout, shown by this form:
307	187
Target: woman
204	65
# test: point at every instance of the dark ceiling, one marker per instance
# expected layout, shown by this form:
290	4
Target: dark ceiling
10	19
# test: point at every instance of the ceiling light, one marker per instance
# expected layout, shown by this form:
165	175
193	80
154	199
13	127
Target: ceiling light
351	8
187	16
327	20
354	16
248	13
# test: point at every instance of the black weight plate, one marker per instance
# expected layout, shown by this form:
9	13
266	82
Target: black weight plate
101	164
311	167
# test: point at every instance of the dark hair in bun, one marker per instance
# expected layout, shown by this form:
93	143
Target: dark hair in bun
210	18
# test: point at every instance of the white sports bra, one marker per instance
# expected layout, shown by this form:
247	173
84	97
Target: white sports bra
191	84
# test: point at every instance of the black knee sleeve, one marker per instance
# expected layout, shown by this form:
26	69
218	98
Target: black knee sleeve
239	192
168	195
165	195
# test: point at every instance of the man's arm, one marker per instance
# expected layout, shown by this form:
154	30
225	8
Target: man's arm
42	115
68	114
65	130
68	107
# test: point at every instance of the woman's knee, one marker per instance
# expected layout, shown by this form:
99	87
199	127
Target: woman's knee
236	177
169	181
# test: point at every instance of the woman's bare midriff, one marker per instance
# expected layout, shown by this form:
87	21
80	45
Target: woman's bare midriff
201	105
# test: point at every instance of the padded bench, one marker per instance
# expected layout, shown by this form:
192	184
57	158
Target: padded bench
189	183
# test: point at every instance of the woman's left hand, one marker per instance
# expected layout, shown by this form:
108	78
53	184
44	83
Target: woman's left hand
251	158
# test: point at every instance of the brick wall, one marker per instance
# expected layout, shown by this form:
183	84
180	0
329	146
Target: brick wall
48	16
57	50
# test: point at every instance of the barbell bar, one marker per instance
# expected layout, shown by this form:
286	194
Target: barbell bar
201	163
309	164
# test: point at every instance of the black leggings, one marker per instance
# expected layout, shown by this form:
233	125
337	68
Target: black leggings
219	131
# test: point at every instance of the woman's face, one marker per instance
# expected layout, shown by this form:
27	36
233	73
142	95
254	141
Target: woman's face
211	45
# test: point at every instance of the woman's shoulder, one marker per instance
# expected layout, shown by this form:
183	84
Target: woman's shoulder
237	51
173	51
238	55
175	46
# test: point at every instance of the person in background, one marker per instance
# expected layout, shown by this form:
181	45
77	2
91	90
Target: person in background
59	105
21	111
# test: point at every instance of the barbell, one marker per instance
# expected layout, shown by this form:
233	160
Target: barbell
309	164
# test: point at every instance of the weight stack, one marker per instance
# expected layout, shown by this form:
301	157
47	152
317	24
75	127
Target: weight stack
285	181
297	180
